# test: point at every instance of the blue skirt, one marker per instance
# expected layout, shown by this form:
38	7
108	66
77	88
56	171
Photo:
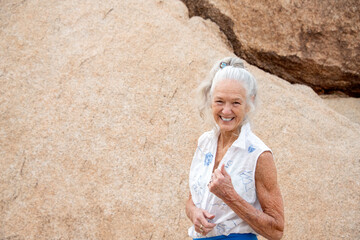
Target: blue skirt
233	236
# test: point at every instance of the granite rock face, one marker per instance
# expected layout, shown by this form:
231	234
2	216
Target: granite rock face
311	42
348	107
98	125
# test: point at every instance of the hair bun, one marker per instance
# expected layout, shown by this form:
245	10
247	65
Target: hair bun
238	64
234	64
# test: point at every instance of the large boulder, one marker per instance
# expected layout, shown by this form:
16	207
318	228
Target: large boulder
98	125
312	42
348	107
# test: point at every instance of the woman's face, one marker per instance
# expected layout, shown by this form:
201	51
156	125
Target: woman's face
229	105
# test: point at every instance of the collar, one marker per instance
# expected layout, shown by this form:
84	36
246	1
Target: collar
240	141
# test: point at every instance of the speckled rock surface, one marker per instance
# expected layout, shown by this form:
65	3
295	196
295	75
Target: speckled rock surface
98	126
349	107
302	41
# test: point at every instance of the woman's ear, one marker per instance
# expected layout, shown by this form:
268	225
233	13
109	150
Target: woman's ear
248	105
211	102
253	99
247	108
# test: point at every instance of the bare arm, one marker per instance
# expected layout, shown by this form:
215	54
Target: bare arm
269	222
190	207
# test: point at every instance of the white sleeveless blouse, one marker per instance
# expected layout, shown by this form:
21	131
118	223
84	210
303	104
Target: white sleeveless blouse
240	162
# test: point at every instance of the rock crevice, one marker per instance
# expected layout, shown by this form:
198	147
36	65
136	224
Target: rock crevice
299	65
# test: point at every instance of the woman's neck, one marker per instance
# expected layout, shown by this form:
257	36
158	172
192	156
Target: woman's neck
226	139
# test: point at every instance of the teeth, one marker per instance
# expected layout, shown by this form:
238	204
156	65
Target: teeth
226	119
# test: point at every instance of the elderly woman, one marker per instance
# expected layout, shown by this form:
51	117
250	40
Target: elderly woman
234	192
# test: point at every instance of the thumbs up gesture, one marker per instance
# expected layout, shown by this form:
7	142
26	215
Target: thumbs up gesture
220	183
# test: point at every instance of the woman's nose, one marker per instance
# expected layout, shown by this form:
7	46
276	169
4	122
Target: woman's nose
227	109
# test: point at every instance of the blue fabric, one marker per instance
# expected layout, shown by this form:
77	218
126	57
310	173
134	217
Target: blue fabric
233	236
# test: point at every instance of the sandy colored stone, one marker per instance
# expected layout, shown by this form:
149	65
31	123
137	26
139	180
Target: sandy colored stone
98	126
311	42
349	107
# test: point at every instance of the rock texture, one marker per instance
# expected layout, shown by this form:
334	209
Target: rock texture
311	42
98	125
348	107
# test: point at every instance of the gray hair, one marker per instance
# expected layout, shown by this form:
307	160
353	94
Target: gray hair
232	68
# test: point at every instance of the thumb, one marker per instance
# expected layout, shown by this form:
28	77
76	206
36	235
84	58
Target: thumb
208	215
223	171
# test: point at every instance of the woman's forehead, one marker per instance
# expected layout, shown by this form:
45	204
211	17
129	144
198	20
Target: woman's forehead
231	88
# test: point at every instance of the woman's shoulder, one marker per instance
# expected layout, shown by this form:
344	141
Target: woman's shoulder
255	142
206	137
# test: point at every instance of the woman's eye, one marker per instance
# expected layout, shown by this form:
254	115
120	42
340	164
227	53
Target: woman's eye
218	101
237	103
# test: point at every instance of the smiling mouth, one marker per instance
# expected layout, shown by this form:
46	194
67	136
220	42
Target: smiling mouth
226	119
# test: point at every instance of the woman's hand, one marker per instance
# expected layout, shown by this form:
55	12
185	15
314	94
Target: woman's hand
199	217
200	220
220	183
